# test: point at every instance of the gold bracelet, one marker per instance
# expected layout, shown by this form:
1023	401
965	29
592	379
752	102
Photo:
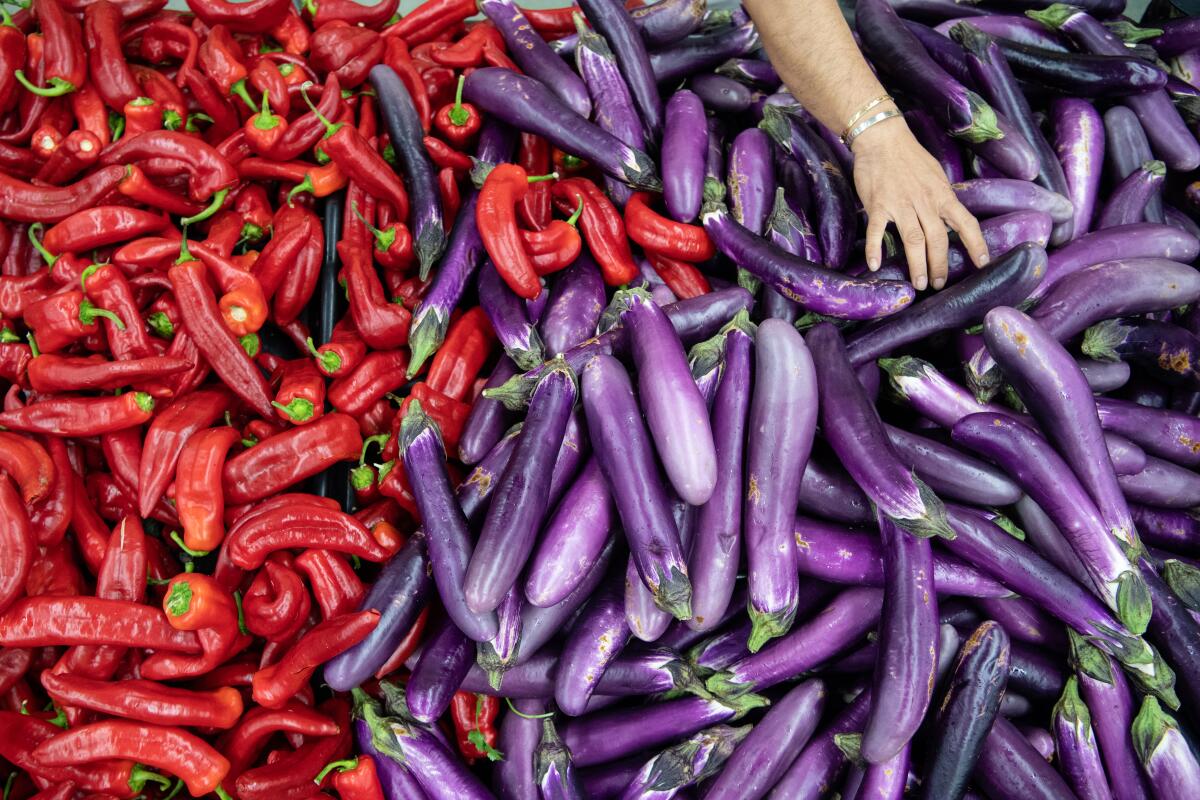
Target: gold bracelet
858	129
862	112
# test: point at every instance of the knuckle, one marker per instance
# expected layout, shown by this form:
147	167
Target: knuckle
913	235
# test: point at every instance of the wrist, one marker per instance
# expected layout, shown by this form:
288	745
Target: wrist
880	134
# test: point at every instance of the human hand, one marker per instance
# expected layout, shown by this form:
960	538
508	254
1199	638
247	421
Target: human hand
899	182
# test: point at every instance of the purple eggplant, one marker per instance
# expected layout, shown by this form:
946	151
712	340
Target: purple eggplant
1080	74
509	319
399	595
1178	36
596	639
832	553
404	129
1162	484
852	426
1171	767
613	22
674	409
607	781
475	491
713	562
1078	752
836	628
1012	156
1049	481
952	473
686	764
750	179
685	148
1035	672
1053	388
534	57
832	195
1170	137
1104	376
782	424
1046	538
520	733
752	71
461	259
1175	630
938	143
1079	144
819	764
989	197
813	287
1023	620
1166	351
1164	433
1006	281
789	229
1010	28
1129	201
696	54
445	660
828	491
1177	531
576	302
888	779
931	393
488	419
944	52
520	499
622	448
554	770
1183	579
1140	240
892	46
394	778
499	653
1128	149
445	524
1010	768
1181	221
529	105
721	94
668	21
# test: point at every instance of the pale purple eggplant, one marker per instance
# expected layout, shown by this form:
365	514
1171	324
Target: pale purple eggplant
488	420
519	501
529	105
462	256
1053	388
1004	195
782	424
1171	767
1050	482
554	770
394	778
816	768
445	660
1078	752
938	143
1128	202
892	46
686	764
1079	144
1170	137
623	450
1127	150
714	558
675	411
535	58
704	360
1127	458
721	650
1161	432
1035	672
1104	376
752	71
721	94
1006	281
648	670
685	149
446	528
930	393
1080	74
498	654
828	491
1162	484
1010	768
696	54
837	627
832	195
597	638
572	539
1166	351
952	473
1046	538
1011	154
1009	27
576	302
908	631
420	178
815	288
613	22
852	427
520	733
398	594
509	319
750	179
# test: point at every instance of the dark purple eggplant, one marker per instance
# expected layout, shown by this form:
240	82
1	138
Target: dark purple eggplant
1176	632
952	473
596	639
1127	150
721	94
1079	144
944	52
828	491
1046	538
1011	27
1178	36
576	302
1177	531
1129	201
935	10
686	764
407	138
520	733
752	71
445	660
1080	74
1010	768
938	143
488	419
1024	621
666	22
509	319
1164	752
1035	672
1166	351
613	22
527	104
696	54
1012	155
685	149
535	58
750	179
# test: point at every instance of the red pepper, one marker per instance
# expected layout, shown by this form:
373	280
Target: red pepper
443	156
290	457
209	173
14	360
220	348
335	586
300	398
407	646
220	57
12	58
49	516
267	79
393	243
28	464
379	373
167	435
91	115
147	701
255	16
533	156
14	663
451	200
450	414
202	604
45	141
552	23
58	621
466	349
351	12
343	352
17	293
171	749
214	105
682	278
199	498
258	725
276	684
142	114
265	129
602	226
78	152
346	51
163	91
468	51
292	33
61	791
306	130
382	325
123	454
138	188
64	64
80	416
276	604
106	59
251	540
458	122
16	541
25	202
496	216
88	528
474	717
428	20
295	292
556	246
354	778
667	237
290	777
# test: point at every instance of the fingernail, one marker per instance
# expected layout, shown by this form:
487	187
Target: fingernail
939	283
872	263
982	259
921	284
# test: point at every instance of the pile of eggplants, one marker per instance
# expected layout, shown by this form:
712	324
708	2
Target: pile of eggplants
813	533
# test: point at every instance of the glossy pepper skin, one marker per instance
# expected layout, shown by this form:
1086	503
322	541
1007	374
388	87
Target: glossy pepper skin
55	621
603	228
12	58
276	684
208	171
354	778
300	398
291	775
347	51
16	541
64	63
458	122
335	586
28	464
342	353
26	202
533	156
382	325
379	373
244	743
290	457
474	717
147	701
496	217
256	16
107	287
81	416
166	437
665	236
199	496
469	342
61	319
251	540
109	72
682	278
351	12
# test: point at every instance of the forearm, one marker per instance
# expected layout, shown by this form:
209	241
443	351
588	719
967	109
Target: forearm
811	47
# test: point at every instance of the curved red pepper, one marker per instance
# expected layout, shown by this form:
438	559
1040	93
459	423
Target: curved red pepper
296	291
276	684
57	621
343	352
658	234
428	20
255	16
81	416
361	163
25	202
64	64
462	355
244	743
208	171
49	516
109	72
290	457
16	541
554	247
100	226
28	464
681	277
380	372
496	217
382	325
347	51
292	33
603	228
300	398
533	156
251	541
147	701
199	498
78	152
291	775
369	15
276	605
335	586
443	156
167	435
12	58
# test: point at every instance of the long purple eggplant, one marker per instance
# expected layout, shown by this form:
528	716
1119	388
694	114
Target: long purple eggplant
1080	74
397	782
1170	529
576	302
750	179
837	555
668	21
1115	288
488	420
1034	672
685	148
952	473
721	94
816	768
614	23
1141	240
1011	28
1127	150
945	53
1049	481
1079	144
938	143
520	499
445	660
462	256
754	72
1166	351
908	630
852	427
1053	388
832	195
686	764
1162	484
1023	620
1161	432
1006	281
888	779
1046	538
596	639
554	769
1010	768
828	491
815	288
782	424
1005	195
1129	201
1075	743
509	319
695	54
1011	155
534	57
622	447
476	489
675	411
931	393
1171	767
529	105
520	733
714	558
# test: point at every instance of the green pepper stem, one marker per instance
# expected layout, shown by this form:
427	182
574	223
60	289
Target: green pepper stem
341	766
303	186
214	205
459	116
574	218
177	539
89	311
378	439
298	409
239	90
57	86
553	176
87	273
330	128
46	255
33	345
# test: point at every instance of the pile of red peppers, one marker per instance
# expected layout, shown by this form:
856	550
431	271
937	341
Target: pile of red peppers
199	445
